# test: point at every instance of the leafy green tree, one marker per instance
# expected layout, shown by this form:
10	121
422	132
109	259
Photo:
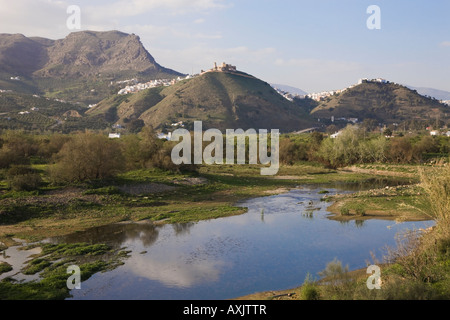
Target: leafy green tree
87	156
344	149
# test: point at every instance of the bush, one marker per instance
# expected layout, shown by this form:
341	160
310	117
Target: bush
309	290
292	151
345	211
339	284
23	178
400	150
87	157
360	210
17	148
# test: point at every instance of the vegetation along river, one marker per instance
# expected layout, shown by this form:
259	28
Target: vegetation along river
273	246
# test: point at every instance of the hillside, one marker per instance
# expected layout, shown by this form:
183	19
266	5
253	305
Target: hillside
31	112
79	67
385	102
219	99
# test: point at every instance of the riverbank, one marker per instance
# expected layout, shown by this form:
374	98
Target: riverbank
157	196
417	269
154	195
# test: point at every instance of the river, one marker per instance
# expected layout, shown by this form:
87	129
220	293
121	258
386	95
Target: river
273	246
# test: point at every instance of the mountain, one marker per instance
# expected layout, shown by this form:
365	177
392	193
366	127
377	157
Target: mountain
434	93
289	89
385	102
222	100
80	66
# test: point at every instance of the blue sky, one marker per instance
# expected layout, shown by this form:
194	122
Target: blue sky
313	45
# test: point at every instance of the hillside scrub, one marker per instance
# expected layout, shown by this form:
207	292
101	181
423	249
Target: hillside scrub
356	146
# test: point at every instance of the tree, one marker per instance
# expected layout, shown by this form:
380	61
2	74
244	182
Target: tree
369	125
17	148
23	178
85	157
344	150
400	150
373	150
292	151
149	146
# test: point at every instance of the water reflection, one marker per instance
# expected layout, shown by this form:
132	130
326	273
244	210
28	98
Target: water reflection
273	246
17	257
115	234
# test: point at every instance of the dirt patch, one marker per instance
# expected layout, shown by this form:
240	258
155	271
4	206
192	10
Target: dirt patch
63	196
379	172
191	181
292	177
145	188
277	191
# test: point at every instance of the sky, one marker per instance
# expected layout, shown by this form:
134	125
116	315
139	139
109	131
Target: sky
314	45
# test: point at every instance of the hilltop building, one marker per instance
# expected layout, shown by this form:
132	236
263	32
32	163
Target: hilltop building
378	80
222	68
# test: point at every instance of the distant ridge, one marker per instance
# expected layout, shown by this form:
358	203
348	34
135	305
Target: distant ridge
82	59
289	89
434	93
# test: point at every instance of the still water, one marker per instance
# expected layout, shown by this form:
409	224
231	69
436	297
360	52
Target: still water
274	246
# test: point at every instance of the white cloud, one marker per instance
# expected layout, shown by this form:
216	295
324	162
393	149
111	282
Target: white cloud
199	21
47	18
44	18
127	8
169	270
445	44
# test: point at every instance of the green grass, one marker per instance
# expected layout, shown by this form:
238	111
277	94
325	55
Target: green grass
5	267
52	264
103	203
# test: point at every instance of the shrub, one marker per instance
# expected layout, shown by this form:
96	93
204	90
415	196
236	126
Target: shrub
23	178
86	157
338	283
345	211
400	150
292	151
309	290
360	210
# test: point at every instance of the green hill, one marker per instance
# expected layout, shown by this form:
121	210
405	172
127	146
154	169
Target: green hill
31	112
221	100
385	102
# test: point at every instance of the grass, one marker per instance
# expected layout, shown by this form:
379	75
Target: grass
52	265
5	267
399	203
417	269
35	216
